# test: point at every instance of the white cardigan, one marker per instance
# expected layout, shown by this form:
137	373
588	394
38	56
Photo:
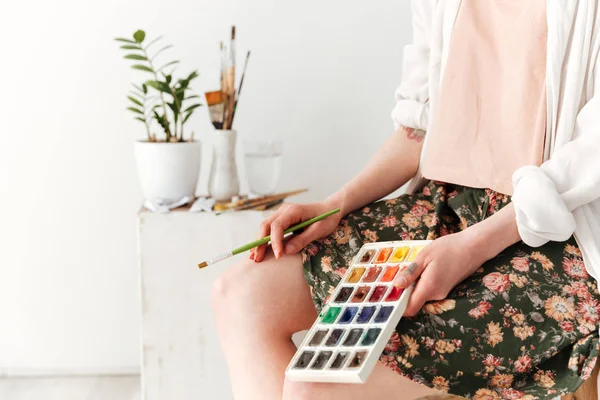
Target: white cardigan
562	197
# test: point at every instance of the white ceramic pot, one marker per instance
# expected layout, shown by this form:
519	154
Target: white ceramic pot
168	171
223	183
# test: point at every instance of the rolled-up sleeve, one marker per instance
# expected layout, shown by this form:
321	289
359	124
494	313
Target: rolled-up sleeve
412	108
545	197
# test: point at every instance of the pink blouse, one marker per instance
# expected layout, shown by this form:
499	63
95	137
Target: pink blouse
490	118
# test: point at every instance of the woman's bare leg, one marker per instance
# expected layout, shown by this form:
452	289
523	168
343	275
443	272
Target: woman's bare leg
258	307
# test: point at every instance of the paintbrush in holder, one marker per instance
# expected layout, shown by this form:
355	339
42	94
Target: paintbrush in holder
222	104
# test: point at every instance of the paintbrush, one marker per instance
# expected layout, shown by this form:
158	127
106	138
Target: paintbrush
249	206
231	80
241	85
268	206
216	108
265	240
223	83
222	56
240	203
260	207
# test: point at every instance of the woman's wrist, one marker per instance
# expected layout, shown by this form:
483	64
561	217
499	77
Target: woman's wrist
480	247
491	236
337	200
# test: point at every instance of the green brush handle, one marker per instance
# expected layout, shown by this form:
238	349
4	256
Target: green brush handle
267	239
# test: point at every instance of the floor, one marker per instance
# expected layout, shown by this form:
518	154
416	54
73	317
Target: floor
76	388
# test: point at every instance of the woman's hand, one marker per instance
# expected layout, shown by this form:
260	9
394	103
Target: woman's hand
292	214
447	261
441	265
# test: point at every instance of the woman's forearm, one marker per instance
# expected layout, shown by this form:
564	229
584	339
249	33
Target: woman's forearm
394	164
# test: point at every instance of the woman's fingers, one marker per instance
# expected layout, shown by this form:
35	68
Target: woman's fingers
286	216
409	274
277	229
420	295
299	242
293	214
433	284
258	254
407	277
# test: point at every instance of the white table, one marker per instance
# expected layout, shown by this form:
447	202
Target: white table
181	356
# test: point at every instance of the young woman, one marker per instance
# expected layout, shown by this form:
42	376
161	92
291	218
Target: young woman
506	302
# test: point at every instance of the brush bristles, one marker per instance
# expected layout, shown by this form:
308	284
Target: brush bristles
203	265
233	33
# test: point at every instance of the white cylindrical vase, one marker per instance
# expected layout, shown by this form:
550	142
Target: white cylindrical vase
223	182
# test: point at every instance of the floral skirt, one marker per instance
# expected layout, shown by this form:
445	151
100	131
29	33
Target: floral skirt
523	326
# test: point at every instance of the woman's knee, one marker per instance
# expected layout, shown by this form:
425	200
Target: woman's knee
227	288
248	294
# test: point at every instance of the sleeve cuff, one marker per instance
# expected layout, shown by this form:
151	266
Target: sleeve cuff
541	213
412	114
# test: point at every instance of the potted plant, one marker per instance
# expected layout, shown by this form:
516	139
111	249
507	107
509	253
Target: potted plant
169	163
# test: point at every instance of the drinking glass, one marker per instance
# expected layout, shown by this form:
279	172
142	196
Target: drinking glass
263	165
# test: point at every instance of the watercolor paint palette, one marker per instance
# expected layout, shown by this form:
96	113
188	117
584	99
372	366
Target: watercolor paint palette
346	340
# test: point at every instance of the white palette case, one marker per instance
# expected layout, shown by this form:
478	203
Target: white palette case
320	357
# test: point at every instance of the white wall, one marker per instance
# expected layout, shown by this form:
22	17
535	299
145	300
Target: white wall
321	78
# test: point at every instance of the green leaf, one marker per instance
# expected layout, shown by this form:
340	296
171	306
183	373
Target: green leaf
136	95
192	107
145	88
161	50
167	64
192	76
135	110
139	36
175	110
138	88
152	42
141	119
162	122
125	40
130	47
195	96
187	116
168	78
183	86
135	101
160	86
142	67
135	57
